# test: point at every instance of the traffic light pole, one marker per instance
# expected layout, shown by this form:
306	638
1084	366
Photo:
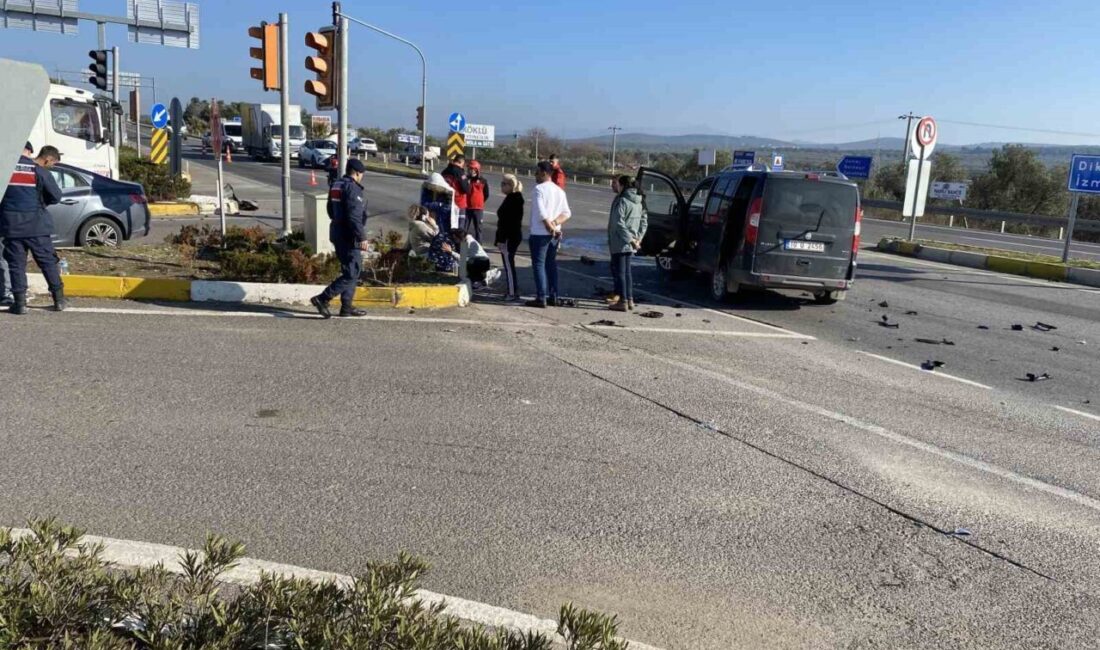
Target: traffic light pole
342	74
116	118
284	99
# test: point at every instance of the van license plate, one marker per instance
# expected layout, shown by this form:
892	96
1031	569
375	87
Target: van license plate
805	246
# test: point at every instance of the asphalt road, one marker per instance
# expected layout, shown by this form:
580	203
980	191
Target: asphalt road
735	476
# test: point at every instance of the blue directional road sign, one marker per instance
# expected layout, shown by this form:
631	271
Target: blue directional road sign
744	158
777	162
855	166
159	115
457	122
1084	174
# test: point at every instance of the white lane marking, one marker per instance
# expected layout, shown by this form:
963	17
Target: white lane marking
1089	290
706	309
669	330
900	438
1076	412
210	313
599	211
937	373
145	555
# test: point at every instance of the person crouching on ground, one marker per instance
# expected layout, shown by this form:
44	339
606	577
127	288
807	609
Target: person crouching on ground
422	230
479	268
626	227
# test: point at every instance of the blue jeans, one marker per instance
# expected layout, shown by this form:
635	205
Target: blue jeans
620	272
544	262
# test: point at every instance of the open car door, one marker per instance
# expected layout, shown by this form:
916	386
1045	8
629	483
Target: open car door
665	205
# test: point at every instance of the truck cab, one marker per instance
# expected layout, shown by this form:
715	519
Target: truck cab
751	227
78	123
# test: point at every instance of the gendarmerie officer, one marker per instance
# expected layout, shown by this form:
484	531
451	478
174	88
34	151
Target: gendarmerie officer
26	226
347	208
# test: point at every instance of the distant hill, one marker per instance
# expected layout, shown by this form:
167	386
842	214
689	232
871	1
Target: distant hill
682	143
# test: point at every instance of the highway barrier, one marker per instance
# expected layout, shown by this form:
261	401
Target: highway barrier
998	263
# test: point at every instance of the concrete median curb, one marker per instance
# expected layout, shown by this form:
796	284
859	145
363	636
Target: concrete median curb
1012	266
169	210
441	296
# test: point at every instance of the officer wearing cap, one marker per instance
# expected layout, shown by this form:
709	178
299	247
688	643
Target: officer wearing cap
26	226
347	208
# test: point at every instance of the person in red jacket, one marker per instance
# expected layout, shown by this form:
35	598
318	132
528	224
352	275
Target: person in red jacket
456	177
558	175
475	200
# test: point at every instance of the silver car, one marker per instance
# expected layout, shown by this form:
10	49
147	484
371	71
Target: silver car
96	210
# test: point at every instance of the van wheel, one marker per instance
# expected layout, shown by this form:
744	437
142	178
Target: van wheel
719	284
827	297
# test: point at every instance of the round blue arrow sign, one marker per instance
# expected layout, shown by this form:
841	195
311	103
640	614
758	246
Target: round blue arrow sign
159	115
457	122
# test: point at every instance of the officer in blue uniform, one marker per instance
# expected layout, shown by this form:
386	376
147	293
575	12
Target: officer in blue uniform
347	208
6	299
26	226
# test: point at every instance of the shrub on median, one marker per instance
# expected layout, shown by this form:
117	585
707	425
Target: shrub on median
56	592
158	181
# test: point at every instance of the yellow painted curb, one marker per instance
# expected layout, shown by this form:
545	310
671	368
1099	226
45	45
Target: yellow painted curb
94	286
374	297
428	297
173	209
1043	270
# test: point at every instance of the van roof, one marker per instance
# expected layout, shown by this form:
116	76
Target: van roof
830	175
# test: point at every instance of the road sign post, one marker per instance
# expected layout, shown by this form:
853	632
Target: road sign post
219	152
1084	178
744	158
135	115
855	166
158	146
177	139
916	189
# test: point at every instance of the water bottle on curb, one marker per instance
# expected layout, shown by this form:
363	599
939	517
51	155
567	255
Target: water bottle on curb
63	264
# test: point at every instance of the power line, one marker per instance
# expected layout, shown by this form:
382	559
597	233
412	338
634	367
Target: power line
1021	128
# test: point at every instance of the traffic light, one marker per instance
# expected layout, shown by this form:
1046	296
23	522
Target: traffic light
98	69
325	65
420	118
267	53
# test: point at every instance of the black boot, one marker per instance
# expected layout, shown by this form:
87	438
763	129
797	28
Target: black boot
19	307
347	311
59	301
321	305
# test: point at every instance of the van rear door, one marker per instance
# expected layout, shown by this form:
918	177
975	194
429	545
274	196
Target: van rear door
664	203
806	227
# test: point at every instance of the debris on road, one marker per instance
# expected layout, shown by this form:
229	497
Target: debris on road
931	365
450	331
679	315
651	314
885	322
935	342
884	304
567	302
709	426
706	321
1032	377
1056	349
587	261
962	532
677	306
1043	327
603	322
911	313
983	327
1017	328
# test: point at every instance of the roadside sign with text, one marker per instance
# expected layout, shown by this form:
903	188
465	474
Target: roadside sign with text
777	162
744	158
855	166
707	157
1084	174
408	138
949	191
481	136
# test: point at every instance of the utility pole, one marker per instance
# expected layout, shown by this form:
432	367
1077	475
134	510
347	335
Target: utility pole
116	120
284	110
614	144
342	79
908	133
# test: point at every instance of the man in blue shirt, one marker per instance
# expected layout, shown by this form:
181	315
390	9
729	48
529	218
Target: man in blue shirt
348	233
26	226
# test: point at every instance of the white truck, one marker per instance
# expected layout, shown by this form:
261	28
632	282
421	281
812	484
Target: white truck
78	123
261	126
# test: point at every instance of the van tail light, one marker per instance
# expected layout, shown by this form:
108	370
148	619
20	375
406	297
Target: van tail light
752	224
138	198
857	233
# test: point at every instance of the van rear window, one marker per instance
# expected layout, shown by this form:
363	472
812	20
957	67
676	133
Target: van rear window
802	203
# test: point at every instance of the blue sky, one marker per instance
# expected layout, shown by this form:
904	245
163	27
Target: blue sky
815	71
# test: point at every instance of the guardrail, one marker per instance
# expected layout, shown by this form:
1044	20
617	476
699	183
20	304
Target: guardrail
1082	225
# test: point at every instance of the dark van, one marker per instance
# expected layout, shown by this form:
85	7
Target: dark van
750	227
